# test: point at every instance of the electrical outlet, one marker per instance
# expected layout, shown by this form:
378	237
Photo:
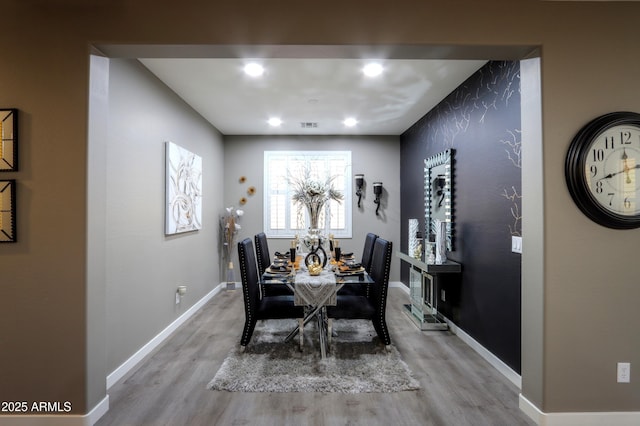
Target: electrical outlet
516	244
624	372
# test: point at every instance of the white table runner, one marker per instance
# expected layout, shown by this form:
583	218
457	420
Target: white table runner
315	290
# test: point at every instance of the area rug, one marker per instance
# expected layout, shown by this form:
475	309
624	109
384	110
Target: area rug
356	363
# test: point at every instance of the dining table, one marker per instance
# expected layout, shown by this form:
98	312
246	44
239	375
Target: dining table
315	292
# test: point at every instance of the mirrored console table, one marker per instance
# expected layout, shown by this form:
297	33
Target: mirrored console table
423	291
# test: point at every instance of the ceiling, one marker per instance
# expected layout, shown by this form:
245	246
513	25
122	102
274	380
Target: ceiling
312	96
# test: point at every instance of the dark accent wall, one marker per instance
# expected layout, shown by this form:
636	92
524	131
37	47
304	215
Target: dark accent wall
481	121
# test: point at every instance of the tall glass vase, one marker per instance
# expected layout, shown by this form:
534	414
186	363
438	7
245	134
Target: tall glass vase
231	277
314	215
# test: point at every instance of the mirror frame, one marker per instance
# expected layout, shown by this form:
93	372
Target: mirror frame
445	158
9	140
8	211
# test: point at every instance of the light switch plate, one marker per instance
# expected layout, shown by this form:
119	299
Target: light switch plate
516	244
624	372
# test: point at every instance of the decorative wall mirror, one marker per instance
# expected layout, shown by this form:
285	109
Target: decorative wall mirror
9	140
438	185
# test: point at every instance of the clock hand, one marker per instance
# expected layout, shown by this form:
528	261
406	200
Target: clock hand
625	170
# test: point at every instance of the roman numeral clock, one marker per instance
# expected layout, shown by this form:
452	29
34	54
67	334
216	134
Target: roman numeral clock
602	170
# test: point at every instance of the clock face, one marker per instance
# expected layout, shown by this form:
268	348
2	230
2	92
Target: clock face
612	169
602	170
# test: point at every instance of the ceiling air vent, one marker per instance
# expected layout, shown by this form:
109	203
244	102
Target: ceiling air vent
308	124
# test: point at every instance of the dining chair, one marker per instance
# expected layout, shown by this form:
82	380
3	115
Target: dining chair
367	252
373	305
264	261
256	307
262	252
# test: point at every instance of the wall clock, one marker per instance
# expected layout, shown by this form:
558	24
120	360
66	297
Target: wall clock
602	170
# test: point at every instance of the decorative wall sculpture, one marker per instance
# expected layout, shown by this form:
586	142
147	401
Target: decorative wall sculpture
183	190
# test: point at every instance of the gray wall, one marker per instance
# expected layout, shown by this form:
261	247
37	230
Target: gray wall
378	157
533	327
143	266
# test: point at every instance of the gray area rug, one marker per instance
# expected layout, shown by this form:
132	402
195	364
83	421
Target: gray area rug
357	362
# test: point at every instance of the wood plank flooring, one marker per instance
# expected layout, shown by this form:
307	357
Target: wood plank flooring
169	388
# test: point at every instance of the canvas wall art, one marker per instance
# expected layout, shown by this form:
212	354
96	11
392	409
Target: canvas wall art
183	191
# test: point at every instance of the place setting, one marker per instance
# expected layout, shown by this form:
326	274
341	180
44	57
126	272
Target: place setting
344	264
281	266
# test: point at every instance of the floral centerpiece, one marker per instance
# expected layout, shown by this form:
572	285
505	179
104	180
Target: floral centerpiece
313	195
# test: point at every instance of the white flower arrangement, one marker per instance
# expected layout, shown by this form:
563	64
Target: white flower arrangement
313	194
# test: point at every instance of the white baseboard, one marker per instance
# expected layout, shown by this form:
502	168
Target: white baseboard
129	364
98	411
503	368
628	418
399	284
88	419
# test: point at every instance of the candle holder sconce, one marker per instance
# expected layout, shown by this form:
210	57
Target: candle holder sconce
377	190
359	185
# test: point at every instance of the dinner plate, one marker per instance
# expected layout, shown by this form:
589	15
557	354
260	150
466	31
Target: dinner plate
347	270
278	270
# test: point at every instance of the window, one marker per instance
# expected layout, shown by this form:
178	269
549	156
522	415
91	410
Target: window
283	218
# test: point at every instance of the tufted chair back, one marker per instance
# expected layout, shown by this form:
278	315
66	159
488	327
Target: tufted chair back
380	267
249	274
367	251
262	253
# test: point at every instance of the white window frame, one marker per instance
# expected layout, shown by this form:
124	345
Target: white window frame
277	186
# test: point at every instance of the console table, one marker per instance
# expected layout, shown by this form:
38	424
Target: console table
423	287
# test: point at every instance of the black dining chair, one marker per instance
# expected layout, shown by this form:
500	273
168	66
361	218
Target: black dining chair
264	261
256	307
373	305
262	252
367	252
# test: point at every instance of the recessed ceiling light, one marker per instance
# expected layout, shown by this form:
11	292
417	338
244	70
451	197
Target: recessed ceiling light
372	69
274	122
253	69
350	122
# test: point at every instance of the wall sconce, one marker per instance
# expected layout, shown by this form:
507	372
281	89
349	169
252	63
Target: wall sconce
359	184
377	190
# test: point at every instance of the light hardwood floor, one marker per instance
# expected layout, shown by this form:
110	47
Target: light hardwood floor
458	387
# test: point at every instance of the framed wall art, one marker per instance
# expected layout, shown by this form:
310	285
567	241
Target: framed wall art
183	190
8	140
8	211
